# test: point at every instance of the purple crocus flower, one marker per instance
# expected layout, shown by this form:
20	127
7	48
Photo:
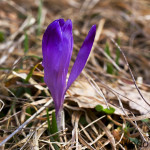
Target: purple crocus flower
57	46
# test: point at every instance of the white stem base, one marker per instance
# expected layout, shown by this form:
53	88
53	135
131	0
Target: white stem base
61	120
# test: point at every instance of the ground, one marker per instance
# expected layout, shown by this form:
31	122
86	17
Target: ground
107	107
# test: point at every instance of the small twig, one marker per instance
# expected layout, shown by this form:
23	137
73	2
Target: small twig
27	140
121	146
86	133
26	122
128	118
106	143
85	142
92	123
114	121
10	116
130	71
139	129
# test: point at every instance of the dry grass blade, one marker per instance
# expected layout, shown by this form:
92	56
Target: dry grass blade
138	118
103	127
85	143
26	122
130	72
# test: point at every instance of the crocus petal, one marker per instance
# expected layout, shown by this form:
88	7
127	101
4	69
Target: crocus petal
82	56
67	44
57	46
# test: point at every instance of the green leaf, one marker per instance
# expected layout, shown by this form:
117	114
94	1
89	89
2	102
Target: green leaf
54	128
99	108
110	111
134	140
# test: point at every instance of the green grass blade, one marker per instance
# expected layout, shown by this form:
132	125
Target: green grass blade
48	122
26	43
30	73
54	126
110	68
39	17
50	130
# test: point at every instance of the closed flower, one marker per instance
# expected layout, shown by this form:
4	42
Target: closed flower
57	46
